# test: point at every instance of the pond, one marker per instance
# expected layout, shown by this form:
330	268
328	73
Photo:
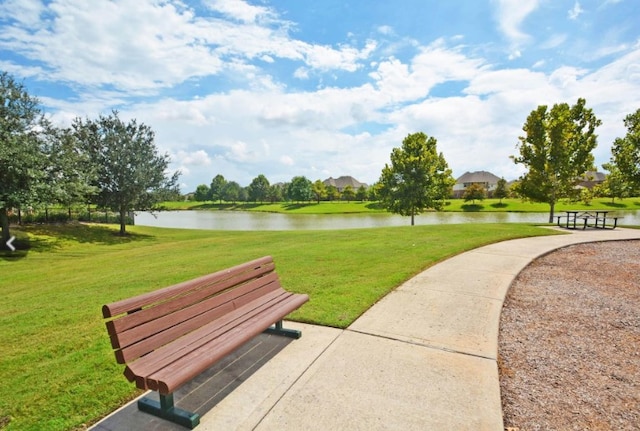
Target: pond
244	220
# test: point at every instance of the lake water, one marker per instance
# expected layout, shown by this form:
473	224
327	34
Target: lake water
242	220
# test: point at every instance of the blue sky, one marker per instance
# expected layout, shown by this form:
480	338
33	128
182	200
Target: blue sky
325	88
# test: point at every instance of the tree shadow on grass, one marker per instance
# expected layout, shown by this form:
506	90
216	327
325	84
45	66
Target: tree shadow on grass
472	207
298	205
45	238
379	206
615	205
499	205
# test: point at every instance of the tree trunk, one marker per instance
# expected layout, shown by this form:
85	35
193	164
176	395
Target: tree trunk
551	211
4	224
413	215
123	214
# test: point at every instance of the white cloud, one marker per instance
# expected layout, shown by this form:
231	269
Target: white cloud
510	15
286	160
141	47
434	64
554	41
386	30
241	10
194	158
576	11
26	12
301	73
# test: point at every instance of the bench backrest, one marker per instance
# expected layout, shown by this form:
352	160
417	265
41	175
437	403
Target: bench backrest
146	322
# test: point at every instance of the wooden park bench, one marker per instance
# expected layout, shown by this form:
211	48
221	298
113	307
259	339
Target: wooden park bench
169	336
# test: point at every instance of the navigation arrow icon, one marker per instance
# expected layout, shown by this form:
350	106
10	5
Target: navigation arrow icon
10	245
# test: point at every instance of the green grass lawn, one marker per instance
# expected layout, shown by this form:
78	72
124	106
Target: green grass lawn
452	205
56	367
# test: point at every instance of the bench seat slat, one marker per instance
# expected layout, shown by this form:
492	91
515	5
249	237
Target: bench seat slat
192	293
184	320
141	301
161	357
189	366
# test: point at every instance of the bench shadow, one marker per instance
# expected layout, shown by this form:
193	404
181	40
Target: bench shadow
205	391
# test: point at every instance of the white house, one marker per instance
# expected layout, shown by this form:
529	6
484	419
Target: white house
484	178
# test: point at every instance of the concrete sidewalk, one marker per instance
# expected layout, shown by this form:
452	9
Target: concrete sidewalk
423	358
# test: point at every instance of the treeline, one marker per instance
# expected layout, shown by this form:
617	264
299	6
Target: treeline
299	189
105	163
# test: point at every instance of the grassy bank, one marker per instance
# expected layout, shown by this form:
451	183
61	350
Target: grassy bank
453	205
56	367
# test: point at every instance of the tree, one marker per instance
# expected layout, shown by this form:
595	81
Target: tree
615	184
556	149
626	152
259	189
501	191
348	193
231	191
300	190
333	193
275	193
361	194
216	190
418	177
130	172
22	159
319	190
373	194
202	193
69	171
474	192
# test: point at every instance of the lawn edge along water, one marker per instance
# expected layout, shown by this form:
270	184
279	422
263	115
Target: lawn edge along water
57	367
451	205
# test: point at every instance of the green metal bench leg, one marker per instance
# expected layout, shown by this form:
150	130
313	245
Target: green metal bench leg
279	330
166	410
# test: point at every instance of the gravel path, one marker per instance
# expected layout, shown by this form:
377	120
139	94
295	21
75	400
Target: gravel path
569	345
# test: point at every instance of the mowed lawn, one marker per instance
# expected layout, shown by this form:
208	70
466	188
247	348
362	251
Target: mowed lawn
56	366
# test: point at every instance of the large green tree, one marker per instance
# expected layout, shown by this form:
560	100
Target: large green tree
232	192
501	191
130	173
625	152
259	189
615	184
202	193
417	179
300	189
216	191
69	172
557	151
474	192
22	157
319	190
275	193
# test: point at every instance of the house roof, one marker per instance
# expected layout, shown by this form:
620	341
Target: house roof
594	176
478	177
341	182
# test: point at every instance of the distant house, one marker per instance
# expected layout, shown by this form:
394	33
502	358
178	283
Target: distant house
484	178
341	182
591	179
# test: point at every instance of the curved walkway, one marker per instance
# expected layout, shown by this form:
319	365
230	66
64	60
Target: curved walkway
423	358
